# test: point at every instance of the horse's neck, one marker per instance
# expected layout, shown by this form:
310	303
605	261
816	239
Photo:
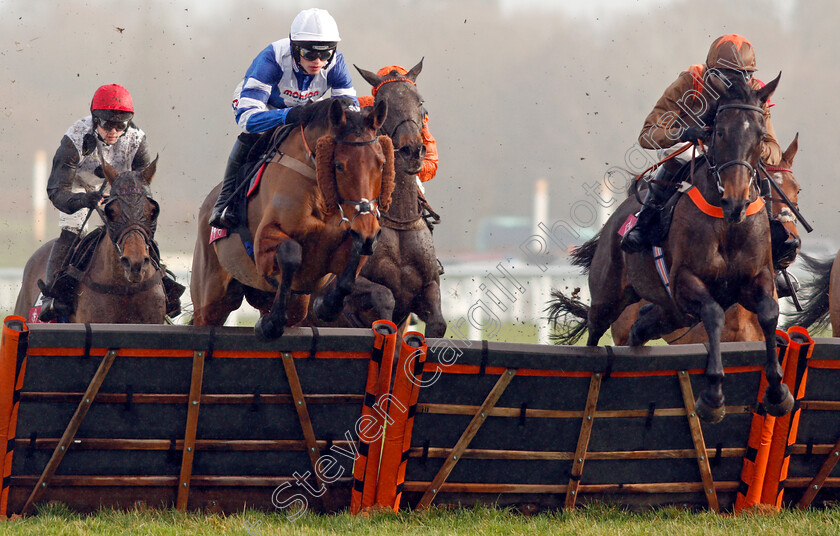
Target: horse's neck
404	205
105	264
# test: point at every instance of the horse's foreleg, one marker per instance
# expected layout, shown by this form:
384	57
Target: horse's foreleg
271	325
430	311
694	297
328	306
778	400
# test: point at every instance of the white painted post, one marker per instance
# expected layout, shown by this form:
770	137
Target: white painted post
542	285
39	196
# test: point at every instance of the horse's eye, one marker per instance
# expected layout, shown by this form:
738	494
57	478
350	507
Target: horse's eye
339	167
110	211
155	212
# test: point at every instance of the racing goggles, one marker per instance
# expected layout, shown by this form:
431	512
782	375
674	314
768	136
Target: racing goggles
312	54
119	126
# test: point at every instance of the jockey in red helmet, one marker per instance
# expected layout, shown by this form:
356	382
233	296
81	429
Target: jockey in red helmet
285	75
76	178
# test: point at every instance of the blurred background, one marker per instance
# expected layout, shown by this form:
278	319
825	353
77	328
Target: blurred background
518	91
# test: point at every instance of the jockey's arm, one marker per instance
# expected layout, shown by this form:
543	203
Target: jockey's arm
142	158
665	122
771	152
65	163
430	161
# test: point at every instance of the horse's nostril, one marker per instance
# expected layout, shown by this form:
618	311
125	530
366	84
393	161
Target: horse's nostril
125	262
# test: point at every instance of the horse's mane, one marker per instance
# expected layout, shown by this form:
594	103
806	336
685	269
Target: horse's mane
319	111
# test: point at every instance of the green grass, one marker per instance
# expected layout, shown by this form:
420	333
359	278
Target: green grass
596	520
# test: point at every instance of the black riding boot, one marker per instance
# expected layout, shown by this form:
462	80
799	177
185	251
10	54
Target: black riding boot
637	238
173	291
224	212
58	299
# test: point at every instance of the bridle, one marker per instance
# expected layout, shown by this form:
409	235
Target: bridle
714	169
362	206
132	218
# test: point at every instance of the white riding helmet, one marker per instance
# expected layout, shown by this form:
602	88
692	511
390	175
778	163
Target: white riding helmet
311	25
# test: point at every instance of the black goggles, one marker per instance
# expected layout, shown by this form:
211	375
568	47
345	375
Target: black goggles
119	126
311	54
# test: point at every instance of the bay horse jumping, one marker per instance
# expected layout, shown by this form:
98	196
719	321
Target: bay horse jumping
821	302
717	252
402	276
739	324
306	222
122	283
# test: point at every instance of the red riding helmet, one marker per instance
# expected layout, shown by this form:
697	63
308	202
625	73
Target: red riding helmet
112	102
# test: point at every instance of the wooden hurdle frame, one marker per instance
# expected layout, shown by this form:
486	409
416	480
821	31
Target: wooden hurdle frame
464	421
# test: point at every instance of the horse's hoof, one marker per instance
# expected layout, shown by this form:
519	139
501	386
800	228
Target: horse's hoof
267	330
323	311
778	409
708	413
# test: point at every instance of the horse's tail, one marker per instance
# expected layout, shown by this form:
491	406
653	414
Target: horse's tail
815	299
567	315
582	255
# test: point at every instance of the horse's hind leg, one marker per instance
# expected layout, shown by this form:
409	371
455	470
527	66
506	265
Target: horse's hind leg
328	306
271	325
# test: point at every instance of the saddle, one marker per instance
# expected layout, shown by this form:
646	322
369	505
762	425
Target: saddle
662	224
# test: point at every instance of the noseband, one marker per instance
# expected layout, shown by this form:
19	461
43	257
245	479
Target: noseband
716	170
132	219
363	206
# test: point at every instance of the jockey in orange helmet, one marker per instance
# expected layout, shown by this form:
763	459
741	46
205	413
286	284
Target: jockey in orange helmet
676	119
430	160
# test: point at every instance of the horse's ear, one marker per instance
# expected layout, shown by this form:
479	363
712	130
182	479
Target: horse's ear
147	174
110	172
790	152
337	114
371	78
765	92
377	117
412	74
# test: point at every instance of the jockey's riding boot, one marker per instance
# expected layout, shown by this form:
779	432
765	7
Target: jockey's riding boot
637	238
57	301
782	288
784	244
224	212
173	291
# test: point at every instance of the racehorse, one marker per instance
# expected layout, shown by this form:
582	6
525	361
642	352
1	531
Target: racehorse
739	324
306	224
821	302
122	282
717	251
402	276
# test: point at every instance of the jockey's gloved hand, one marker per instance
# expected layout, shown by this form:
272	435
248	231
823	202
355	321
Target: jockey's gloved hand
293	115
694	133
91	199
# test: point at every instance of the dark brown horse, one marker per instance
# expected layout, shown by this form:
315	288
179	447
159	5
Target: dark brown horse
402	276
717	255
739	324
306	222
122	283
821	303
